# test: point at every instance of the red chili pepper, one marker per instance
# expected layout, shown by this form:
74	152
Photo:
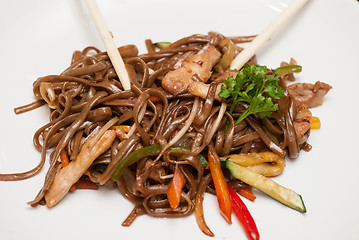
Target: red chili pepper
243	215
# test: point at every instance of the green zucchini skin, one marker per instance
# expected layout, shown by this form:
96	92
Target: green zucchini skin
282	194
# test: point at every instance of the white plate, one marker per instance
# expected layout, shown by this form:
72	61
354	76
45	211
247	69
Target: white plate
38	38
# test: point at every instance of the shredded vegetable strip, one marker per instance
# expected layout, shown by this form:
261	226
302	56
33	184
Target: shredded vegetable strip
184	128
243	215
247	193
64	158
220	184
175	188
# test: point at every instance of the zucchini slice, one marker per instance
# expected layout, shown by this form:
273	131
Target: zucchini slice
267	185
162	45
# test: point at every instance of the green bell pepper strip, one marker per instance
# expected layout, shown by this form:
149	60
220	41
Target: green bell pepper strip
288	69
148	151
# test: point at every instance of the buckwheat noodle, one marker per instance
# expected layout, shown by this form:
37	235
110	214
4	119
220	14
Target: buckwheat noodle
87	95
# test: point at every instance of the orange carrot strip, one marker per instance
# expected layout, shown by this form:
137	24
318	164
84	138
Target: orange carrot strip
220	184
247	193
175	188
64	158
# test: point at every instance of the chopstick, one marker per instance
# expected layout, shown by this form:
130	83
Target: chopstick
237	63
267	33
106	37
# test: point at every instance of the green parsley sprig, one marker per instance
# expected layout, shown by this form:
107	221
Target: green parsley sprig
254	86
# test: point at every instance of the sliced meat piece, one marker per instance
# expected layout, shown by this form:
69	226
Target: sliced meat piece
200	64
301	123
311	95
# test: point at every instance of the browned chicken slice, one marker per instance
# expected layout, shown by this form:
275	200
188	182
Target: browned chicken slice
311	95
200	64
302	122
70	174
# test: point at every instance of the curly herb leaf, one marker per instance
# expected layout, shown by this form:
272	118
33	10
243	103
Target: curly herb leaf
254	86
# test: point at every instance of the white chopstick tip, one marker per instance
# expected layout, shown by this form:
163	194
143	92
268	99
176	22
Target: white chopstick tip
107	39
267	33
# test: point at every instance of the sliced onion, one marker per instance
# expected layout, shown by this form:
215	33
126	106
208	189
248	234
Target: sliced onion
214	128
99	134
228	56
184	129
48	94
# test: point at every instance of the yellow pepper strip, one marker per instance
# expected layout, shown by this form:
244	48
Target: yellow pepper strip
267	164
315	123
